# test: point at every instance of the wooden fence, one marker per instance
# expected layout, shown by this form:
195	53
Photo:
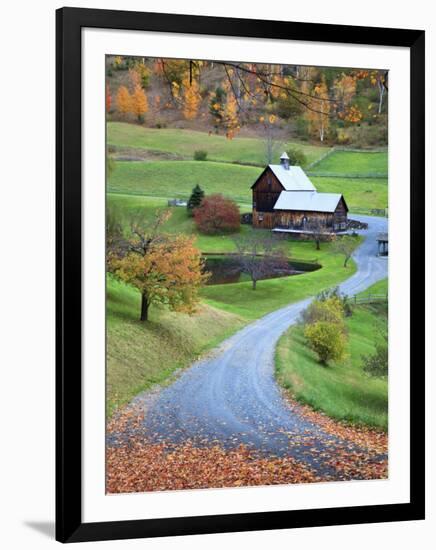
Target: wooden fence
348	175
369	211
368	298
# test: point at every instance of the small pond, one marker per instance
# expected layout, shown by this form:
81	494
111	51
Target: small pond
225	269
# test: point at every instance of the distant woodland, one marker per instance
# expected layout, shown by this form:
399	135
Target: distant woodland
324	105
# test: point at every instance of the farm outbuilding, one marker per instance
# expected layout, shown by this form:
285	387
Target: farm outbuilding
284	198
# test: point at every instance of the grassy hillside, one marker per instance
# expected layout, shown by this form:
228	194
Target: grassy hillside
353	163
175	179
142	354
342	390
185	142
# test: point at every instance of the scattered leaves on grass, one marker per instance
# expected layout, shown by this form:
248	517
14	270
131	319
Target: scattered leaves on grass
365	437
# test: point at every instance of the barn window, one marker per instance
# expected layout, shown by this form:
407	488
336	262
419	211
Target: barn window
260	218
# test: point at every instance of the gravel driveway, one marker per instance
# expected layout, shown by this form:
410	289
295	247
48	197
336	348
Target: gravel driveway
232	397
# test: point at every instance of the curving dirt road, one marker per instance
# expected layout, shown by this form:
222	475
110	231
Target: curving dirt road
232	396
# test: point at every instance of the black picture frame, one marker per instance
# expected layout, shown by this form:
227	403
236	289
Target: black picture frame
69	525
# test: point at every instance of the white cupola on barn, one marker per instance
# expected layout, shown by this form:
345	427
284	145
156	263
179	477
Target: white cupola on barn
284	161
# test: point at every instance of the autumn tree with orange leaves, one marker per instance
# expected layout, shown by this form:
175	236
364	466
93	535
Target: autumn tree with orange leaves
139	103
108	99
166	269
124	100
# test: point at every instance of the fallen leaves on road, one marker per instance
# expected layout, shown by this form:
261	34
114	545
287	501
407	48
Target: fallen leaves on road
134	464
141	467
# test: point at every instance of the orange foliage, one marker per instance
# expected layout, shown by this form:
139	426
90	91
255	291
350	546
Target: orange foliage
108	99
139	102
353	114
124	100
134	464
169	271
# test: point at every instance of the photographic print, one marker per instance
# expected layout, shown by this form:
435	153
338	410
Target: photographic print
247	274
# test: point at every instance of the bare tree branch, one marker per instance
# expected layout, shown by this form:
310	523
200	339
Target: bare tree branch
260	256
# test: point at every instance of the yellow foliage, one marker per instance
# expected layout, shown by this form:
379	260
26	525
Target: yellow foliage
192	98
345	89
231	120
124	100
139	102
175	89
318	111
327	340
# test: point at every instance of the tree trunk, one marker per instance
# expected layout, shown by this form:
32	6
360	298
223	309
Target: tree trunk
317	244
254	284
144	307
346	260
381	93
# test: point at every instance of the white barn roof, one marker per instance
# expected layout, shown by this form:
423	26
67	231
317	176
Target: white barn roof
311	202
292	178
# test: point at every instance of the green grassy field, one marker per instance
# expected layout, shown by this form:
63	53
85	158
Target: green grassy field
185	142
341	390
359	193
175	179
353	163
179	222
381	287
142	354
240	299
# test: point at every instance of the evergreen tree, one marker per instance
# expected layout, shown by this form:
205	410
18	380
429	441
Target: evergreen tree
195	199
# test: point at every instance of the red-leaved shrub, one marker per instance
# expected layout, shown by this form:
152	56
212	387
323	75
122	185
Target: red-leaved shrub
217	214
